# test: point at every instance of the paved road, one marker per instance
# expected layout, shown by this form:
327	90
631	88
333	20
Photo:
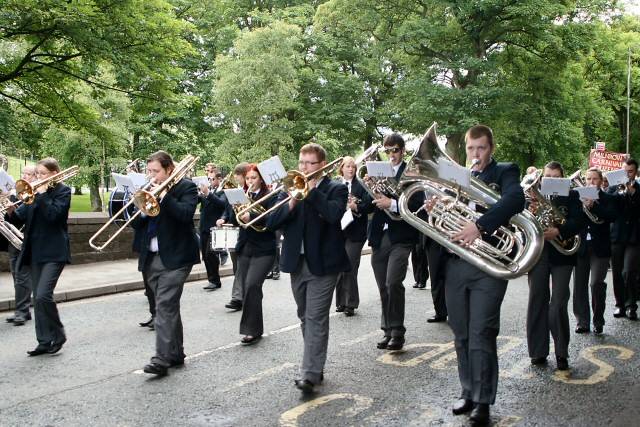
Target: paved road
96	378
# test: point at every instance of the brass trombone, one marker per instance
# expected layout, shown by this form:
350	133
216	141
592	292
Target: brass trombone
147	201
25	191
295	183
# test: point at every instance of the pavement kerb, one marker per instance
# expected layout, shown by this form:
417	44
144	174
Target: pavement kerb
124	286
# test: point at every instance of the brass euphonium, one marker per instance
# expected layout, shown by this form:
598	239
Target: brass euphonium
547	214
8	230
577	180
374	186
506	255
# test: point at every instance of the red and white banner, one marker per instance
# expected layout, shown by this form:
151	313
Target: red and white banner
606	160
600	146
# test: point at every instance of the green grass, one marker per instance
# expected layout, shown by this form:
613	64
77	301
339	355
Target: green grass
83	203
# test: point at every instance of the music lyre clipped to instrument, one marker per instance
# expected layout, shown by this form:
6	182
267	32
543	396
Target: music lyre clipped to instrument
147	201
295	183
387	186
507	254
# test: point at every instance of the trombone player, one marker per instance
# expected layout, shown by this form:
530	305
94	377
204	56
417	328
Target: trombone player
168	251
313	252
474	297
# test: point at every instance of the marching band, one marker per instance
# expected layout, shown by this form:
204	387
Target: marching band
316	226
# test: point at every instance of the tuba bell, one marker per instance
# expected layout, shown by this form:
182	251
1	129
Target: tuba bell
547	214
509	254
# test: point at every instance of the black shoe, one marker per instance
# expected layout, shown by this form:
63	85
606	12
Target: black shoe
462	406
147	323
10	319
437	319
152	325
480	414
339	308
348	311
270	275
234	305
582	330
249	340
276	275
40	349
19	321
562	363
212	286
416	285
396	343
597	330
619	312
224	257
55	347
304	386
422	285
631	314
382	345
538	360
177	363
155	369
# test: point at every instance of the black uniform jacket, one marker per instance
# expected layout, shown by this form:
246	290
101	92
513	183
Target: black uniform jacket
316	222
605	209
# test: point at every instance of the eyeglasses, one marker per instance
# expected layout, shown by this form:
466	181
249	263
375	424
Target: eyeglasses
307	163
393	150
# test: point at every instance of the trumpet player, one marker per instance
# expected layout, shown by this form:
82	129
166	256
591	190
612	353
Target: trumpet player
625	244
212	206
547	310
46	251
355	234
313	253
168	251
474	298
22	276
593	257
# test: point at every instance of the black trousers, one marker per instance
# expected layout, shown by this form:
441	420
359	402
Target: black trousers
420	261
438	257
49	328
624	267
211	259
252	272
347	294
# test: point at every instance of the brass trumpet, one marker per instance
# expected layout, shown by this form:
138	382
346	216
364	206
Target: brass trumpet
147	201
295	183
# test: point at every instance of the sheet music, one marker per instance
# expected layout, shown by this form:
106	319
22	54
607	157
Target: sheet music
591	193
272	170
452	172
380	170
138	179
123	182
200	180
617	177
7	183
347	219
555	186
236	196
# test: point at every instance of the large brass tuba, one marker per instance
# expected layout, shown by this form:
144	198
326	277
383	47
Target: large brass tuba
508	254
547	214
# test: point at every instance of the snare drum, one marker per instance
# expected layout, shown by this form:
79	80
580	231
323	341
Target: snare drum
224	238
117	200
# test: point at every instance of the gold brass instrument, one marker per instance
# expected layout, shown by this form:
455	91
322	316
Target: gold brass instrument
547	214
374	186
227	183
147	201
295	183
253	208
25	191
508	254
577	180
8	230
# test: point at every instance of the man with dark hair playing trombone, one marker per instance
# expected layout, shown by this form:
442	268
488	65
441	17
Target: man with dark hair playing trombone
313	252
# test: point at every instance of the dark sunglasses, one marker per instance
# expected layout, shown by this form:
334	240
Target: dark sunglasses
393	150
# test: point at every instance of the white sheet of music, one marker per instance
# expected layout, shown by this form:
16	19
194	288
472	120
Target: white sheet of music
138	179
7	183
590	193
555	186
272	170
236	196
617	177
347	219
452	172
123	182
200	180
380	170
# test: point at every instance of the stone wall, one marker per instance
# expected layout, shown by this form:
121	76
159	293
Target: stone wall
81	227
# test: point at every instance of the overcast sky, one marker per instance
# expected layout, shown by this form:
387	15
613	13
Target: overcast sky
632	6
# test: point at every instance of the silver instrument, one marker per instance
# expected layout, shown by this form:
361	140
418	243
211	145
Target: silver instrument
374	186
508	254
8	230
577	180
547	214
